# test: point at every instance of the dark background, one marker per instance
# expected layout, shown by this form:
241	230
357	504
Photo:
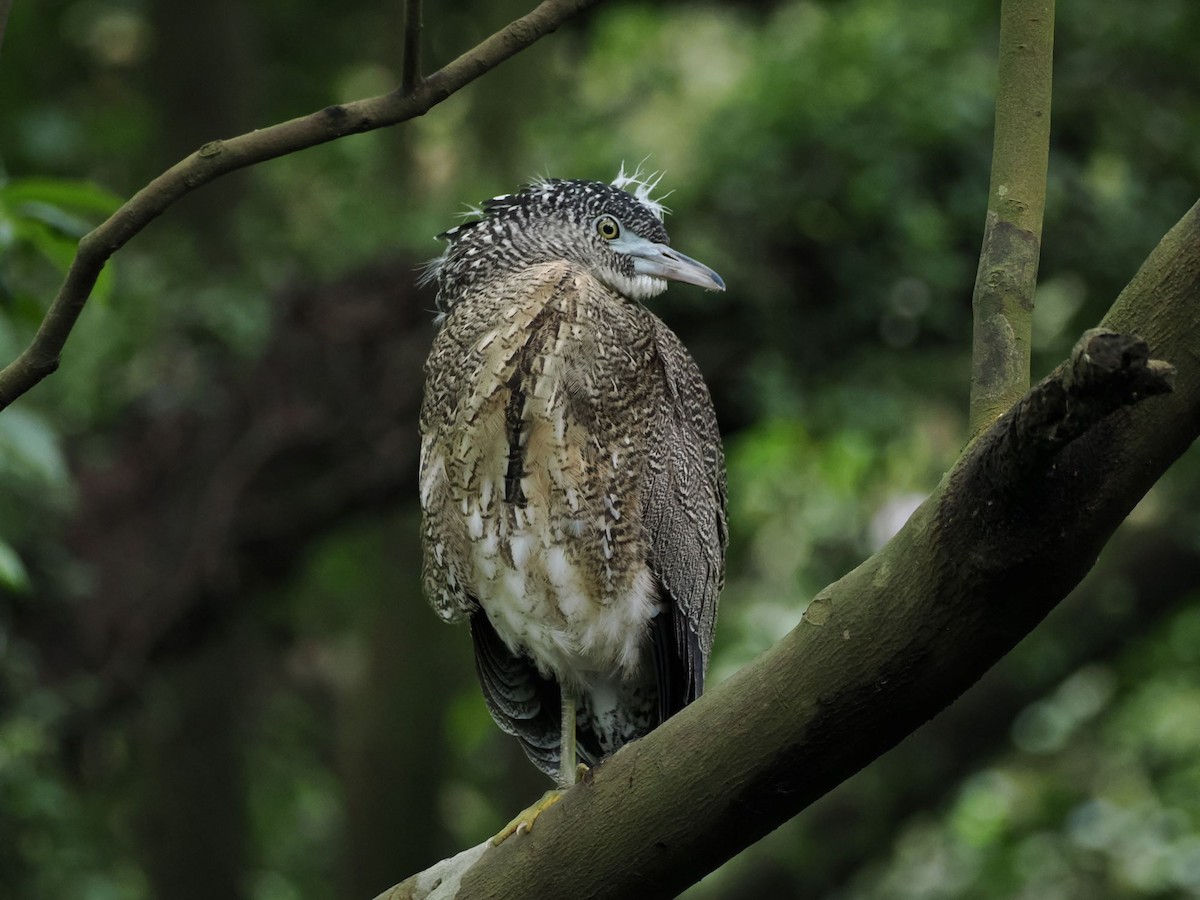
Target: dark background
217	675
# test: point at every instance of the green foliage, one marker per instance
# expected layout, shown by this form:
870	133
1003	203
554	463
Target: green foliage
41	221
1100	796
48	216
815	493
13	576
829	159
35	488
57	838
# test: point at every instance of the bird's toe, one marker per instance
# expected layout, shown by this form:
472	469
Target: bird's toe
524	820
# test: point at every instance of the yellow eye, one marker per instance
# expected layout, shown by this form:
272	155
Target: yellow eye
607	228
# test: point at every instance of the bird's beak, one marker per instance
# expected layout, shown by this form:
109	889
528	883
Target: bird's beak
661	261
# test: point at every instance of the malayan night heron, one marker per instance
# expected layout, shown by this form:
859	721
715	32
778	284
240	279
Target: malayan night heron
572	480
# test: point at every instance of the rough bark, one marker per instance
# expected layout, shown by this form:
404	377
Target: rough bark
1010	530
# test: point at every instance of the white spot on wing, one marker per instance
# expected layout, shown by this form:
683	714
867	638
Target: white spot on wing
432	473
558	567
611	507
519	544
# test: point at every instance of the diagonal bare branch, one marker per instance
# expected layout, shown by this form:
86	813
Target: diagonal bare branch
218	158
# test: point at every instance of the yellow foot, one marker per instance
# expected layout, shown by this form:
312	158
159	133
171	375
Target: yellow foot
525	819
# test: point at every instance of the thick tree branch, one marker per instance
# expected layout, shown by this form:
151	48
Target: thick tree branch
218	158
1009	531
1160	570
1012	235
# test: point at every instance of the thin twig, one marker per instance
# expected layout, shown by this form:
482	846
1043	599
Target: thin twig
410	76
218	158
1012	237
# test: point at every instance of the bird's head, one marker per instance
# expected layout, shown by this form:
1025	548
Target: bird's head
615	233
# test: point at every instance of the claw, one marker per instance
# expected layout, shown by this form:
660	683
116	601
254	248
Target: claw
525	819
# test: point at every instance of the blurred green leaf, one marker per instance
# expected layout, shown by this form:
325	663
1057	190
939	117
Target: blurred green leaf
56	218
12	571
64	193
29	448
48	241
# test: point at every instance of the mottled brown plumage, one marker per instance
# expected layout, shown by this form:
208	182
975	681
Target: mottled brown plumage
572	479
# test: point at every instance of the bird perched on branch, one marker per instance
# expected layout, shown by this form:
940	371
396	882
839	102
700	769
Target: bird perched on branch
572	479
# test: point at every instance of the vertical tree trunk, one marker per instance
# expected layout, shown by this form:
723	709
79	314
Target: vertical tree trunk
192	820
393	741
206	74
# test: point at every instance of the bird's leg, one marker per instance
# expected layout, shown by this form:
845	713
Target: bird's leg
568	772
567	753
